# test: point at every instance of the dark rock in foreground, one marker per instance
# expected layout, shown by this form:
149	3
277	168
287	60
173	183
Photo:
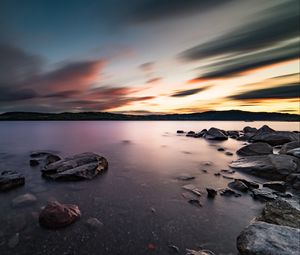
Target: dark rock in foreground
238	185
255	149
289	146
261	238
215	134
282	212
274	167
294	181
263	194
78	167
211	193
56	215
10	180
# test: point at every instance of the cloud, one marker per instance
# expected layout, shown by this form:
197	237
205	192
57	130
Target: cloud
10	94
269	27
282	92
184	93
151	10
154	80
238	65
147	67
72	76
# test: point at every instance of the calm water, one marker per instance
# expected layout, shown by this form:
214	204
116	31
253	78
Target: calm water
144	160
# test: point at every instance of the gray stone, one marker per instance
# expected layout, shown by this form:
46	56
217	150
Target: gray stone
94	224
229	192
294	152
238	185
192	188
83	166
293	180
273	167
56	215
185	177
289	146
275	137
10	180
263	194
24	200
215	134
255	149
281	212
249	183
13	241
276	185
261	238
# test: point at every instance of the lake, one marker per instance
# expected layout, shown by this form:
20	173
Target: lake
139	200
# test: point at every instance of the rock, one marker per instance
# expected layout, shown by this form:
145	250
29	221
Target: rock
276	185
33	162
228	153
250	130
190	133
185	177
83	166
293	180
261	238
217	174
273	167
227	171
94	224
253	149
24	200
294	152
56	215
192	188
40	154
13	241
249	183
233	133
229	192
238	185
51	158
201	252
203	132
173	248
10	180
221	149
211	193
215	134
180	132
195	202
281	212
289	146
263	194
275	137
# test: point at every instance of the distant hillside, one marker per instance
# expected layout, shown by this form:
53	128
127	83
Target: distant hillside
211	115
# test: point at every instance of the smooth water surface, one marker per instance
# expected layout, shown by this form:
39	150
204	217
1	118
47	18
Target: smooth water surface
139	200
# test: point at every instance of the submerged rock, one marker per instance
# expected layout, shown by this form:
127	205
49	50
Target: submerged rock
34	162
281	212
78	167
94	223
255	149
271	166
276	185
10	180
211	193
215	134
192	188
56	215
263	238
24	200
185	177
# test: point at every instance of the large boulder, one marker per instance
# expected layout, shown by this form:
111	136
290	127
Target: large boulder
10	180
289	146
248	129
294	152
215	134
83	166
275	137
272	166
56	215
261	238
255	149
282	212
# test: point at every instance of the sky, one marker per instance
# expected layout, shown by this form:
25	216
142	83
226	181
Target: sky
149	56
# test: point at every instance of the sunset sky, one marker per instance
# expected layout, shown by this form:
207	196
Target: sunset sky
149	56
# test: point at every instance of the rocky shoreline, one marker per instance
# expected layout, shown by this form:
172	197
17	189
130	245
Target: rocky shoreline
273	155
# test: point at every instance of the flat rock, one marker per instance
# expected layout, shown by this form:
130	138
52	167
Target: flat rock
185	177
229	192
10	180
276	185
238	185
56	215
275	137
273	167
281	212
261	238
249	184
192	188
24	200
255	149
289	146
83	166
215	134
263	194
